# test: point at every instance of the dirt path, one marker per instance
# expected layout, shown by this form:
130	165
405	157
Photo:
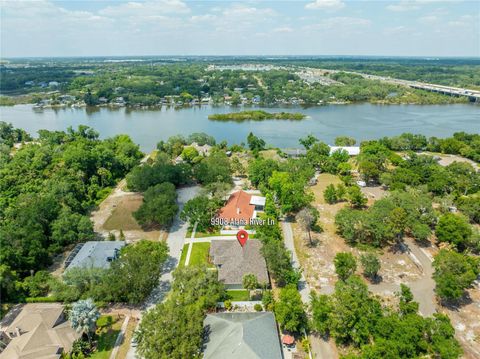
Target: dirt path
320	347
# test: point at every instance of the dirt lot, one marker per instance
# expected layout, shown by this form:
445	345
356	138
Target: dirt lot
466	321
445	159
115	214
317	260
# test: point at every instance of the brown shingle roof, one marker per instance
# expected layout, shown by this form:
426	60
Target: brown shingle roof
234	262
44	333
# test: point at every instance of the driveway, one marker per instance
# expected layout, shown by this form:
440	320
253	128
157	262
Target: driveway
175	241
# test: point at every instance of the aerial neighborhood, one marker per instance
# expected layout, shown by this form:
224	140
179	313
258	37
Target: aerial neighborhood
247	251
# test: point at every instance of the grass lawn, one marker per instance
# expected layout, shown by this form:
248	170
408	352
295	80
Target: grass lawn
207	234
107	337
121	217
125	346
183	256
200	254
238	295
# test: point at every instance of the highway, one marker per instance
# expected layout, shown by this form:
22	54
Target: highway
473	95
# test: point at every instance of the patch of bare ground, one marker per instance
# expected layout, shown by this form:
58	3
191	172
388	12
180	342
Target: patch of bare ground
317	259
465	320
115	213
445	159
373	193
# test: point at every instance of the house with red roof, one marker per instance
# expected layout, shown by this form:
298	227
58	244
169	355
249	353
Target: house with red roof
240	210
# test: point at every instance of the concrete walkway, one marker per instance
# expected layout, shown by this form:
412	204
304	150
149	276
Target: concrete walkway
189	252
120	337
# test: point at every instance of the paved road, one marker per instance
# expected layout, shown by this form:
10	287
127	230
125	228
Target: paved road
320	347
175	241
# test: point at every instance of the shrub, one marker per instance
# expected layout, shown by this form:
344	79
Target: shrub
41	299
228	305
258	307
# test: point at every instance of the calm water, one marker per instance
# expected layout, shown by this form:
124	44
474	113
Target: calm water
363	121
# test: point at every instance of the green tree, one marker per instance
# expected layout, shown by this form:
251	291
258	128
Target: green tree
345	265
345	141
268	301
255	143
453	229
133	276
214	168
356	197
289	309
321	308
83	317
38	285
330	194
199	210
407	305
173	329
250	281
290	191
189	154
159	206
370	264
454	272
354	314
308	141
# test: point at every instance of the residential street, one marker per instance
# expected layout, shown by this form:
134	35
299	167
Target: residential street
320	347
175	241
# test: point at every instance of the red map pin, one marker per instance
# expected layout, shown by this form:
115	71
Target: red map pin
242	237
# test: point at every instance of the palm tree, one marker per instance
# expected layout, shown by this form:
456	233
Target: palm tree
83	316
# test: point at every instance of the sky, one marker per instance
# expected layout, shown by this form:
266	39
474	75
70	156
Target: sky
46	28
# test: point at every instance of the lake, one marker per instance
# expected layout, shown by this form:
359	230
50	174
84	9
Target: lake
361	121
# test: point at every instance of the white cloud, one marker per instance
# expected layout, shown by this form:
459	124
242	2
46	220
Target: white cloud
284	29
404	5
326	5
340	23
131	9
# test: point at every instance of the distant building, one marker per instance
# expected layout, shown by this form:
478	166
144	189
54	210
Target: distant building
39	331
294	152
53	84
202	150
352	150
233	262
242	336
94	254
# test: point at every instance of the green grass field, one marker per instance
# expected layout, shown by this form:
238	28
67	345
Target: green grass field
199	255
238	295
106	337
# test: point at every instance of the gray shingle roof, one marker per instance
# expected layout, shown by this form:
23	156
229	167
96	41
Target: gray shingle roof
96	254
242	336
233	261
